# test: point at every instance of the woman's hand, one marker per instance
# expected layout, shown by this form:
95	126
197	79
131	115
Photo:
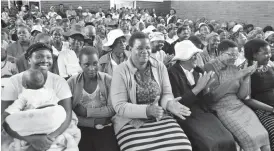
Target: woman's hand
80	110
178	109
40	142
154	110
248	71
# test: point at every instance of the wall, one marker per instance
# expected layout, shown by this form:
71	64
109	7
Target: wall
160	7
91	4
4	3
255	12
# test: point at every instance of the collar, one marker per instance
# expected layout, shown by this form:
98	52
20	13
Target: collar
153	62
187	71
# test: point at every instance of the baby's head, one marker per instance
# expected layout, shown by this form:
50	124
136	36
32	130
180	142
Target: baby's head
34	79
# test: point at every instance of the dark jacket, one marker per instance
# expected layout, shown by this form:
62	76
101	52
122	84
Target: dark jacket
171	49
180	85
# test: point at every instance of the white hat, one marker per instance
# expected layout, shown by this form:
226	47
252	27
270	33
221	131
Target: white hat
58	17
113	35
236	28
149	29
184	50
156	36
267	34
80	7
37	27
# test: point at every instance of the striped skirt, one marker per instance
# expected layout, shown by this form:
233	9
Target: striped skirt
267	120
164	135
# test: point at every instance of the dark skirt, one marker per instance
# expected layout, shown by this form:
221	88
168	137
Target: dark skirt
267	120
206	132
161	135
97	140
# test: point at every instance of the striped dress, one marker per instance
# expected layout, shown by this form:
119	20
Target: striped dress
262	89
163	135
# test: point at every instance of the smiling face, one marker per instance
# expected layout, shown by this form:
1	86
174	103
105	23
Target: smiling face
263	55
41	60
141	51
214	42
230	56
23	34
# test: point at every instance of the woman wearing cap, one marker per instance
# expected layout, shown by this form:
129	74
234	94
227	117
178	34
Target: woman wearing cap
269	37
224	96
118	54
17	48
91	103
39	57
205	131
262	84
141	94
68	62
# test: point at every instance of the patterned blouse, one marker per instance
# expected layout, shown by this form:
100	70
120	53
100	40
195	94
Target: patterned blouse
147	89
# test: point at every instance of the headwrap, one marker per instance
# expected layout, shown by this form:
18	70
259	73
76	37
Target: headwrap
36	47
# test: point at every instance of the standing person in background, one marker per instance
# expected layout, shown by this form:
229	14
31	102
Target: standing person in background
52	12
62	11
171	17
100	14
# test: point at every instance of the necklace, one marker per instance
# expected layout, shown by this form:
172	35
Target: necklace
263	68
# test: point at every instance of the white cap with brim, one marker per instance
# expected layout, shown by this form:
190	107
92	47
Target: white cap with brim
236	28
184	50
267	34
37	28
112	36
75	29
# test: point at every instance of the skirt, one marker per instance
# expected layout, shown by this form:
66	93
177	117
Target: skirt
267	119
162	135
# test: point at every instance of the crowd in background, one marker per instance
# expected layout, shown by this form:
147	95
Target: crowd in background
133	79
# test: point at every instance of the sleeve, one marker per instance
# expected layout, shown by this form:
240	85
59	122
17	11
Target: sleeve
120	98
62	89
9	91
188	97
62	66
17	106
166	87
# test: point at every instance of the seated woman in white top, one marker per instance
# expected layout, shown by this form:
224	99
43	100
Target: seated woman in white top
40	58
68	62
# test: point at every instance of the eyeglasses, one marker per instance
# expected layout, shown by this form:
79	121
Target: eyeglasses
232	54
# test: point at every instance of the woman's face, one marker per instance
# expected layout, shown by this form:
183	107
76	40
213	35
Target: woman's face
125	26
23	34
172	12
241	39
141	26
230	56
76	42
223	36
90	65
57	36
41	60
120	45
140	51
263	55
204	30
214	42
271	38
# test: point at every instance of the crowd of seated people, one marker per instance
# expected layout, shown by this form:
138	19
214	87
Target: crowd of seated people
131	79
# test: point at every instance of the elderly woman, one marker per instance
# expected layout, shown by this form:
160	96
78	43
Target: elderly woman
68	62
262	84
210	51
22	44
224	96
118	53
91	103
205	131
39	57
204	30
142	98
22	62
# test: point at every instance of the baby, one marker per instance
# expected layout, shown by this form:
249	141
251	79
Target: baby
36	111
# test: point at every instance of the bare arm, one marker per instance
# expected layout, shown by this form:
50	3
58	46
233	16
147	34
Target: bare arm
66	103
258	105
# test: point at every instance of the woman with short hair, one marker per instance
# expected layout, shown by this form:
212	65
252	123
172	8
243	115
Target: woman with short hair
142	98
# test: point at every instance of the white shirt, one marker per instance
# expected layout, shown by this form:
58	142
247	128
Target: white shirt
171	40
99	16
68	63
189	76
159	55
113	63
